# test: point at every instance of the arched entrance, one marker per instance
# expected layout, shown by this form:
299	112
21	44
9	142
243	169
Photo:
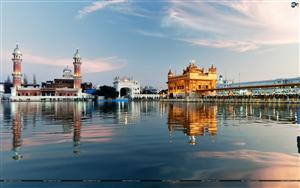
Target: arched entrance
126	87
125	92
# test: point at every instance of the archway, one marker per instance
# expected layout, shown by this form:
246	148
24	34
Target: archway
125	92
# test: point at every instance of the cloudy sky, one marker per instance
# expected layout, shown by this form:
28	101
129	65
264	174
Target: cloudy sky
143	39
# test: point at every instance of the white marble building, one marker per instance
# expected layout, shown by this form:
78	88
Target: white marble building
127	87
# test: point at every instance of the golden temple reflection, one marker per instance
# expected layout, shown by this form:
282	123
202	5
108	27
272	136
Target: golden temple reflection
193	120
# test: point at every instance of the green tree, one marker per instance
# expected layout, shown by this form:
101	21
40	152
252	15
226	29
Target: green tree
7	85
8	80
107	92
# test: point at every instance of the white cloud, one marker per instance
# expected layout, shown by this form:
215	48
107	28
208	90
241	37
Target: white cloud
97	6
151	34
88	65
236	25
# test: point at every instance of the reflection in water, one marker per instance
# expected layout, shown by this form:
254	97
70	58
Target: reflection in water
297	116
62	113
125	112
69	116
298	143
193	119
271	112
279	166
16	131
95	137
77	129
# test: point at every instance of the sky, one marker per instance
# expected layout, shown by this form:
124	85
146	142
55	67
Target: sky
246	40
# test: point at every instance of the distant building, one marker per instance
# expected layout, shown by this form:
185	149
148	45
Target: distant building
69	85
283	86
223	82
127	87
193	80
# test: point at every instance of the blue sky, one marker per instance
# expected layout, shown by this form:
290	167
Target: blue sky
143	39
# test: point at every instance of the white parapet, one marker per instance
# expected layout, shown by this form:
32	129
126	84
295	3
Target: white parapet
52	98
146	96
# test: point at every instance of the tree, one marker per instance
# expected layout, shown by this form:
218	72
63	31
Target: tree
8	80
149	90
107	92
34	79
7	85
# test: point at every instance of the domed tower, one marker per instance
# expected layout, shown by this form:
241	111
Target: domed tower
212	69
17	67
170	74
77	72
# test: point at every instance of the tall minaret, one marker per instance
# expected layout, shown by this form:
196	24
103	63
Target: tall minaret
77	72
17	67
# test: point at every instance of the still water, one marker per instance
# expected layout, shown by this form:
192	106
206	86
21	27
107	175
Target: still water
149	141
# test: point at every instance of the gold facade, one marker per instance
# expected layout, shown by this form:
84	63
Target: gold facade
193	80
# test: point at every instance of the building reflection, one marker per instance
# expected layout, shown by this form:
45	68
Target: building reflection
298	143
19	123
271	112
16	141
69	115
77	128
126	112
65	119
193	120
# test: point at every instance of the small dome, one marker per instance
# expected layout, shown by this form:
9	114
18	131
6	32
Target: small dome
193	61
17	51
77	55
67	69
67	73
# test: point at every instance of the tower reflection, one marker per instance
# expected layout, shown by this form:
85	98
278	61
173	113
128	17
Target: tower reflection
193	120
67	115
16	131
77	128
